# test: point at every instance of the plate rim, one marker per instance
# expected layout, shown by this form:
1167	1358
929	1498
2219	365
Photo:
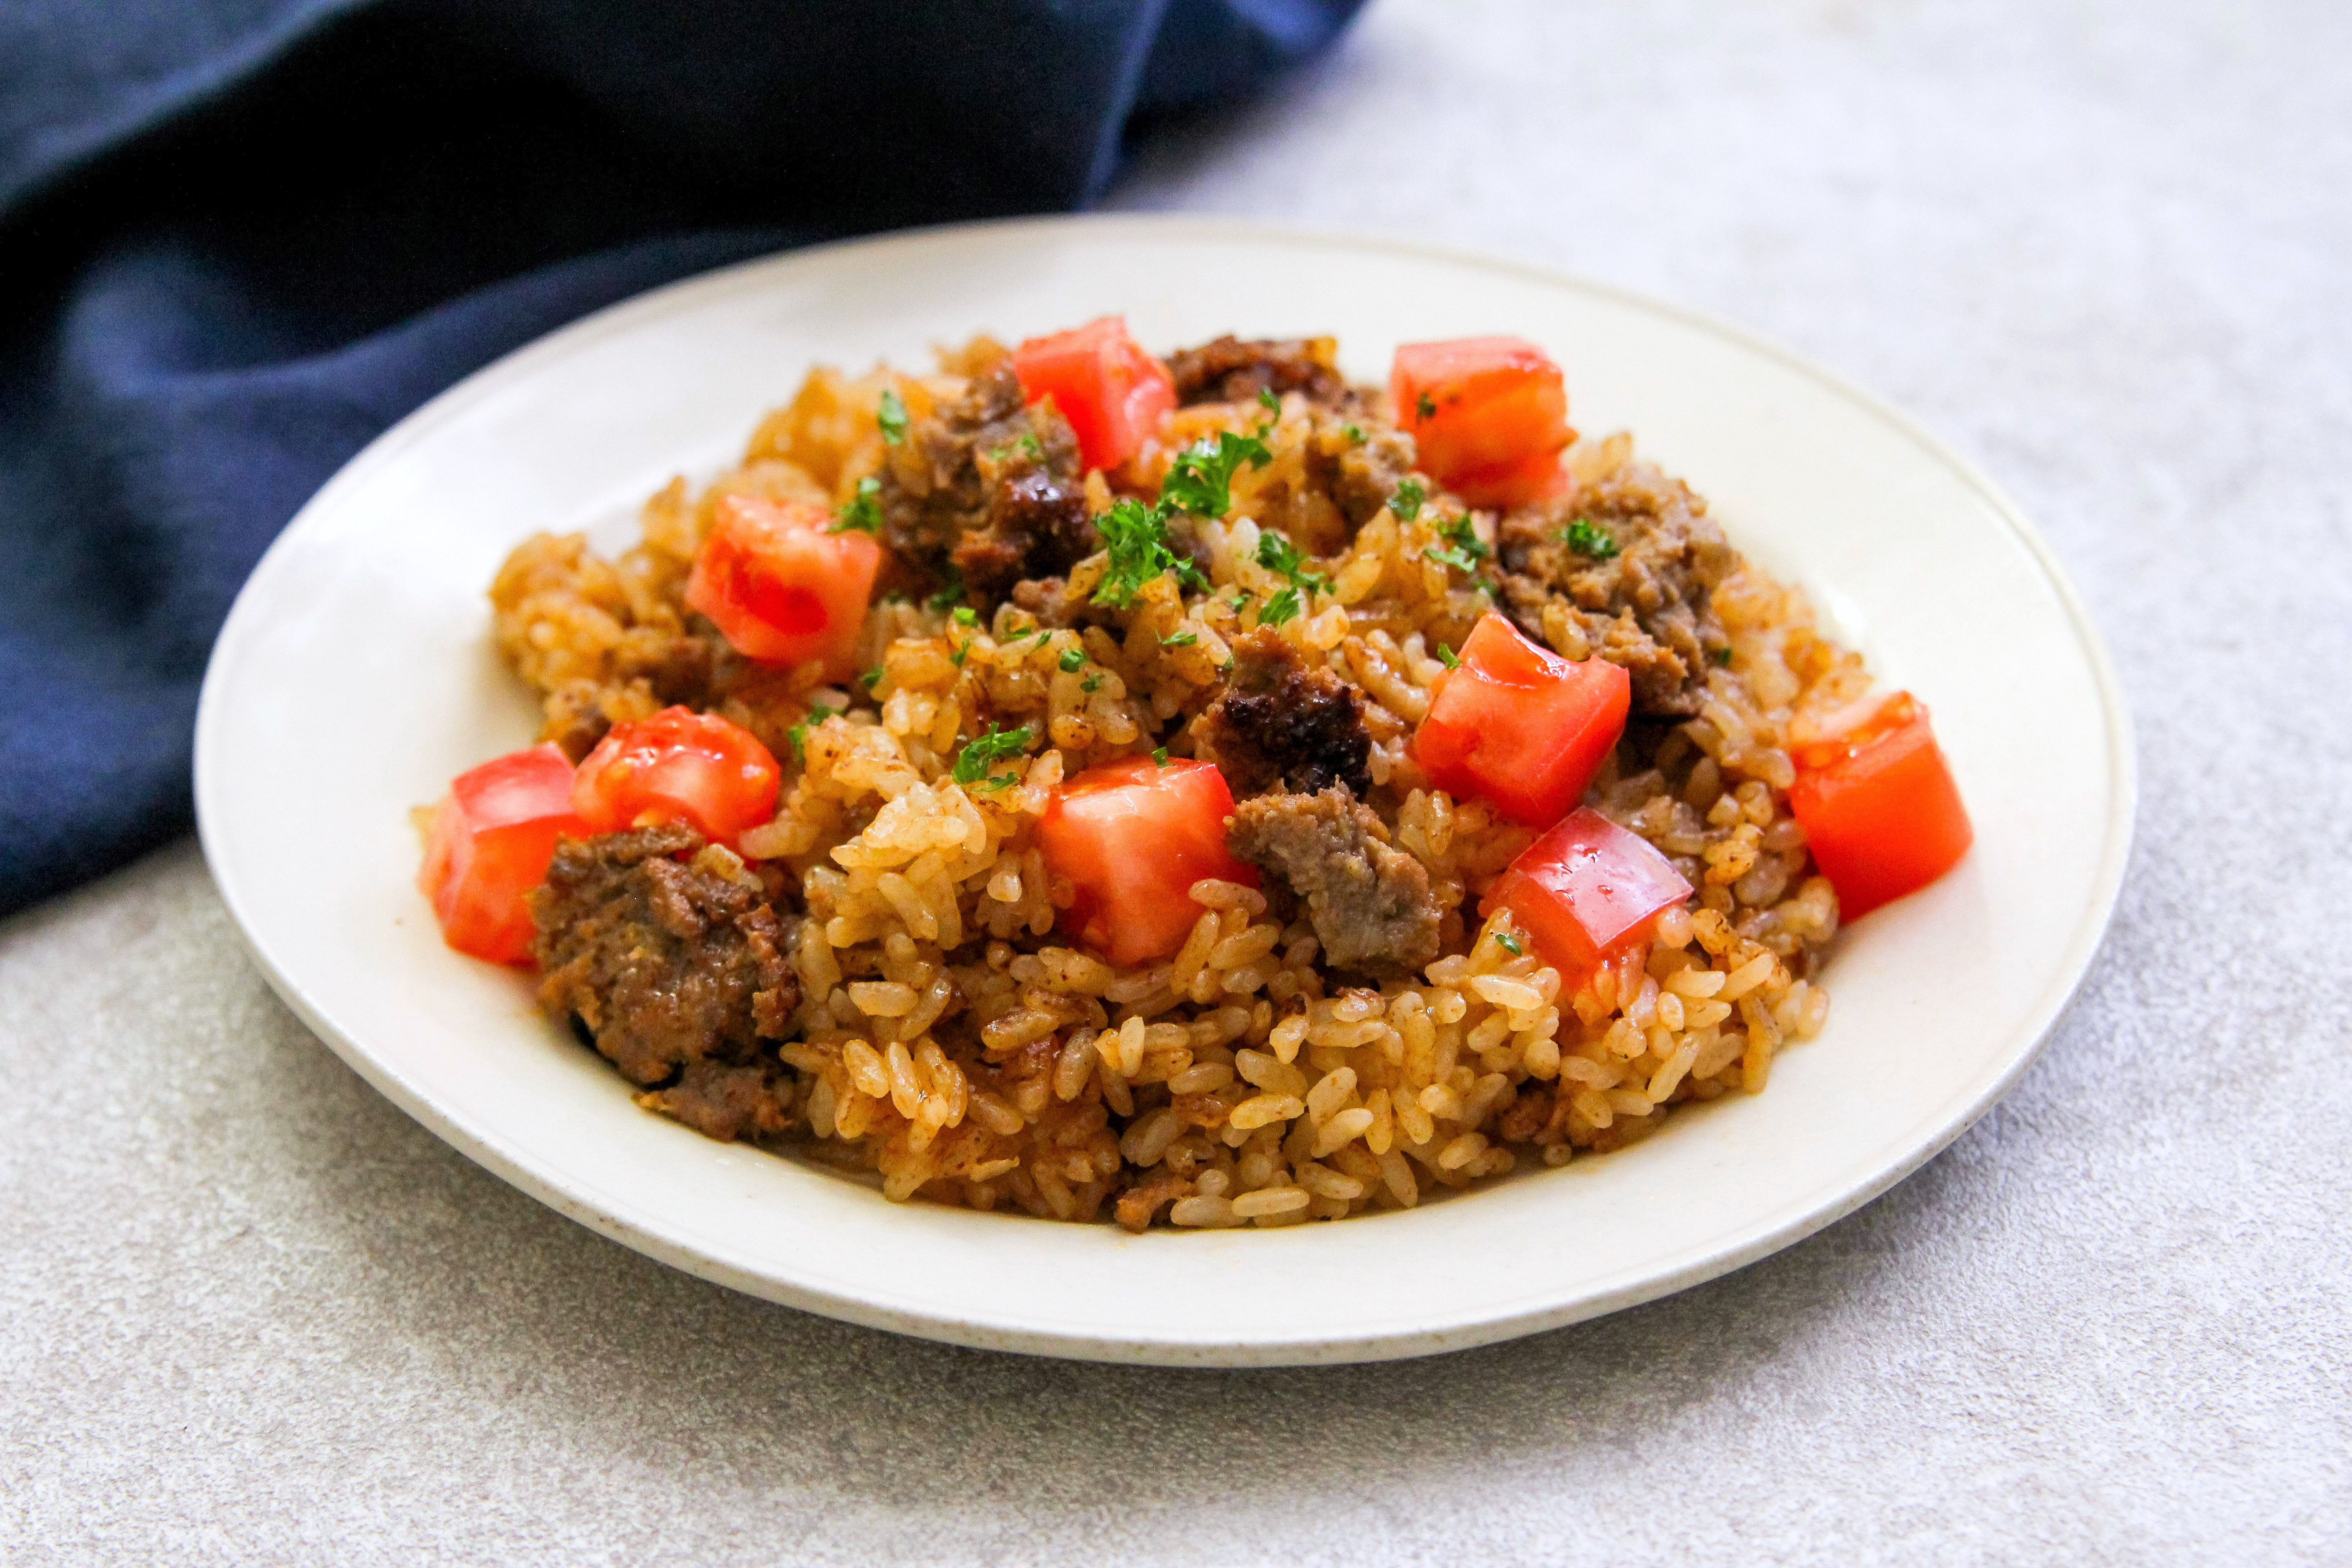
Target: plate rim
1797	1221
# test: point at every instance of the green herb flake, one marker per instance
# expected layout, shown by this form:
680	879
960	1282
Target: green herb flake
1276	554
1424	407
1590	539
1509	943
798	735
861	514
1091	684
1406	502
1072	659
1464	549
1027	445
871	678
1283	606
890	413
1268	401
1159	756
983	752
1181	639
1200	478
1355	434
1447	655
952	593
963	651
1136	538
965	615
1722	656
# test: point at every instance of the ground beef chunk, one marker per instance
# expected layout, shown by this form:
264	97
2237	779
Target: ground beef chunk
1371	902
1232	371
675	969
1283	723
988	489
1648	607
1366	473
691	668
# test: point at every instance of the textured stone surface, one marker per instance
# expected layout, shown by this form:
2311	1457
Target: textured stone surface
250	1312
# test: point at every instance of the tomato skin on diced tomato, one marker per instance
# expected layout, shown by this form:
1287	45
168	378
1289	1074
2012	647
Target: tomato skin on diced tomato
1586	891
1488	415
677	766
1133	836
491	838
1517	725
781	587
1879	808
1113	392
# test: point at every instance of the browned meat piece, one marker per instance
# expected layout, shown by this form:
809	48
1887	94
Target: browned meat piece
666	962
692	669
988	487
1138	1204
1232	371
1281	723
1648	607
1367	473
1371	902
728	1102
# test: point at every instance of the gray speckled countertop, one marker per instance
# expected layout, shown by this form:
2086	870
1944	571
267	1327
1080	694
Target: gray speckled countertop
250	1312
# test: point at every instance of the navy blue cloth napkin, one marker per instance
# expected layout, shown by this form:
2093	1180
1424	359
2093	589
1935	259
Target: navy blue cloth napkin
240	237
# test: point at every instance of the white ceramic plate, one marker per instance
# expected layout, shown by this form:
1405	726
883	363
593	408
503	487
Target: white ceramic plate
355	677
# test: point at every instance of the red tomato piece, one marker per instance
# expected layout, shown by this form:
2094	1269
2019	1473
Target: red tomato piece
1520	726
1586	891
780	588
1133	836
1485	413
1532	478
1879	807
677	766
1112	392
492	837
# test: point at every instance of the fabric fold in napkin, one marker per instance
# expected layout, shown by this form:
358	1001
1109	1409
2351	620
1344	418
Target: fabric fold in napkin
240	237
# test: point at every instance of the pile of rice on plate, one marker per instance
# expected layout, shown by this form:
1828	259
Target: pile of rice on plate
888	973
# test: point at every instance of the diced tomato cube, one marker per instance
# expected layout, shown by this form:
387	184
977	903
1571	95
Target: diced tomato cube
492	837
678	766
1879	807
1586	891
1487	415
781	588
1113	392
1133	836
1517	725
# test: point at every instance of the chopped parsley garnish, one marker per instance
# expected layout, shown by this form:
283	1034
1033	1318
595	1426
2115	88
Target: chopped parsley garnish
1355	434
1406	502
1424	407
1283	606
1509	943
798	735
871	678
1200	478
965	615
1268	401
1447	655
1027	445
963	651
1135	536
1159	756
983	752
1276	554
1091	684
1721	656
890	413
952	593
1181	639
1588	539
860	513
1464	549
1072	659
